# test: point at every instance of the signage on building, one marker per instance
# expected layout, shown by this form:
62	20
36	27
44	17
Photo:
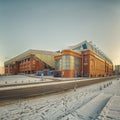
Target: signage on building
85	63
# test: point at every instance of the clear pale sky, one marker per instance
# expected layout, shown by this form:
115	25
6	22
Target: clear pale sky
57	24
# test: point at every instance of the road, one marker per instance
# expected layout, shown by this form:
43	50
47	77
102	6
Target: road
28	91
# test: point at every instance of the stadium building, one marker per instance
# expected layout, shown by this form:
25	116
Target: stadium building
83	59
30	62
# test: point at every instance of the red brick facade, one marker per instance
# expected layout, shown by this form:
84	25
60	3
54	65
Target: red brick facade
30	62
27	65
95	66
68	63
91	65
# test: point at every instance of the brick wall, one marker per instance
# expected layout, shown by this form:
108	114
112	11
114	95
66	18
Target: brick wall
94	66
26	65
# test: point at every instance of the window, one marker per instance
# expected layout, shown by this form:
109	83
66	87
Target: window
6	66
77	63
28	59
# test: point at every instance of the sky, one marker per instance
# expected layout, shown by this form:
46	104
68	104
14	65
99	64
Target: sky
56	24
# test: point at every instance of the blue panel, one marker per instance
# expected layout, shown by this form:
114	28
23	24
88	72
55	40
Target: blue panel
85	75
84	46
40	73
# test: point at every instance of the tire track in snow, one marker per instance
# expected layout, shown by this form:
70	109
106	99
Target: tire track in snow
90	110
68	106
77	106
111	110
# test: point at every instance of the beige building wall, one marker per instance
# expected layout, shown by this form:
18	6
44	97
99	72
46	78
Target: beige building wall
1	70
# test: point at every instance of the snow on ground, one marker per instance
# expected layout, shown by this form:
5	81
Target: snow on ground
111	110
99	101
21	79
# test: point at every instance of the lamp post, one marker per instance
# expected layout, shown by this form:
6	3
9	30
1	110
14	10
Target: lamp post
75	85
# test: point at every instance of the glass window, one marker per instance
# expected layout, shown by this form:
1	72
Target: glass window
67	63
58	64
70	62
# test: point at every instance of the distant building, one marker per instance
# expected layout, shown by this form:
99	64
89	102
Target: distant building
117	69
1	70
83	59
30	62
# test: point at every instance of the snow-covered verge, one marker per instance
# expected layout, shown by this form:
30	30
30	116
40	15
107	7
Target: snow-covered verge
99	101
111	110
21	79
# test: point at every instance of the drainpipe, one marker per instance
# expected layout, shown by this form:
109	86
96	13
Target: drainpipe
82	64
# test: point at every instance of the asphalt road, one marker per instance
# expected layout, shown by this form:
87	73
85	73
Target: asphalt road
21	93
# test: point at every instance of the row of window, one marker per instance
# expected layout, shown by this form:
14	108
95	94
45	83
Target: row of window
25	60
25	66
27	72
22	61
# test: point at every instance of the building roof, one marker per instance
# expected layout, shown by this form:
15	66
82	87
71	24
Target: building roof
85	45
45	56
